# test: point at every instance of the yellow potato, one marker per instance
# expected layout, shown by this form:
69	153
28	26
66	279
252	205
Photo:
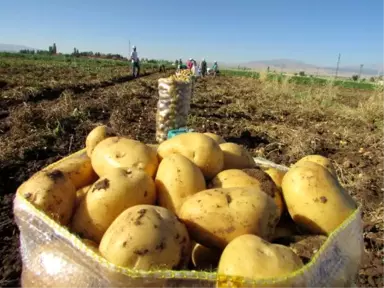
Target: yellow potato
236	157
52	192
78	169
315	199
251	257
268	186
108	197
197	147
215	137
115	152
247	177
276	175
80	195
204	258
214	217
147	237
177	178
95	136
47	262
321	160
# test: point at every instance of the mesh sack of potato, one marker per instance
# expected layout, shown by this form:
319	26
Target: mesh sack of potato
53	256
173	104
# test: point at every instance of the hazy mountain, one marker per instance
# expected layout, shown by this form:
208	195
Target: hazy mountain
13	48
295	66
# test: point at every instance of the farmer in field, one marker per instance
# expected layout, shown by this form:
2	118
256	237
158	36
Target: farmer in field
182	66
135	62
215	68
203	67
190	63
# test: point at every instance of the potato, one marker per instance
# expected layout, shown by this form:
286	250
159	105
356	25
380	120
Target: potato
80	195
177	178
268	186
276	175
315	199
147	237
204	258
236	157
214	217
197	147
108	197
215	137
115	152
95	136
251	257
321	160
78	169
52	192
53	265
247	177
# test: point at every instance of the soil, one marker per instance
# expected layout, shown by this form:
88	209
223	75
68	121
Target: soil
36	133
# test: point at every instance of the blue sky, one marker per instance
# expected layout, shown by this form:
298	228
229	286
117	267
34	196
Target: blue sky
230	31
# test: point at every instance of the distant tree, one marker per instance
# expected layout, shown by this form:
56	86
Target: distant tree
302	73
268	69
54	49
372	79
295	74
355	77
363	80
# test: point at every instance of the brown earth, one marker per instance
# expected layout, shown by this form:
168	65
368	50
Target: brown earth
279	123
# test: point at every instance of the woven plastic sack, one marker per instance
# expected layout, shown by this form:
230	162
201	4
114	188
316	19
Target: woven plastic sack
53	257
173	106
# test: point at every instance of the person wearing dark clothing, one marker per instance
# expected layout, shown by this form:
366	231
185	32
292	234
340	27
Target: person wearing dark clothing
203	67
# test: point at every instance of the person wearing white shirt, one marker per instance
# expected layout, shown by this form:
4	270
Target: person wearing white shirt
135	62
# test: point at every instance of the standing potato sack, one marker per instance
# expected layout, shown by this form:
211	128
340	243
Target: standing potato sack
173	105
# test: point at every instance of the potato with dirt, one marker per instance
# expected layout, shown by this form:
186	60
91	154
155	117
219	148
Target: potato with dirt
177	178
214	217
96	136
147	237
321	160
252	257
52	192
215	137
115	152
109	196
315	199
236	157
78	169
276	175
80	194
248	177
202	150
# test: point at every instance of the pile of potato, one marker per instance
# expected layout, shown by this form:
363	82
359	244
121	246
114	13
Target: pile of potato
192	202
173	104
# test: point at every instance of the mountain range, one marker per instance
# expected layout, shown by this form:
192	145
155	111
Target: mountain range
286	65
295	66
